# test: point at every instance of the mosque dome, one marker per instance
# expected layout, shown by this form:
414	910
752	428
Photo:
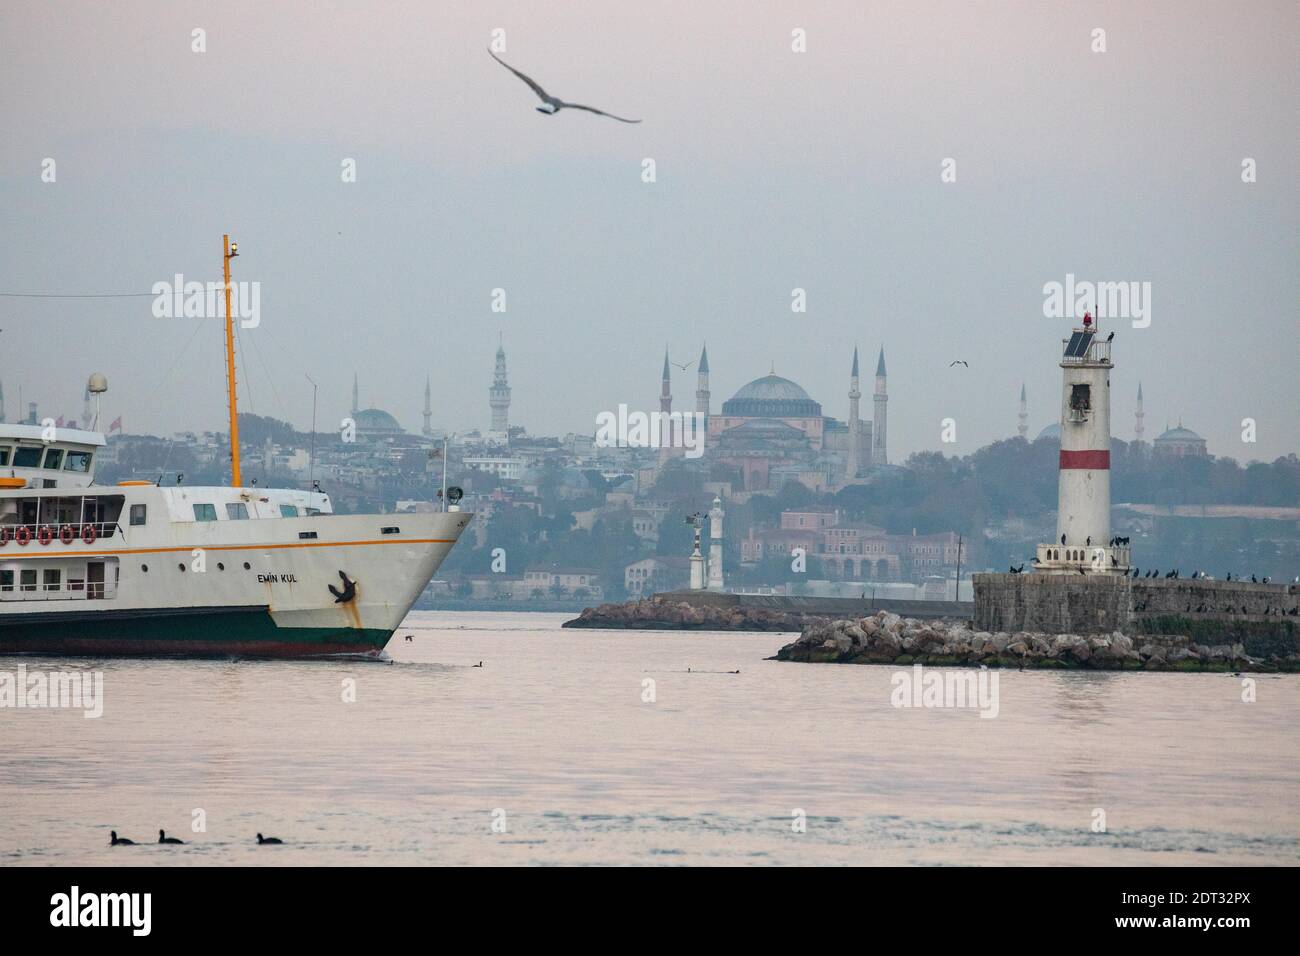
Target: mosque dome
1052	431
376	421
1179	434
771	397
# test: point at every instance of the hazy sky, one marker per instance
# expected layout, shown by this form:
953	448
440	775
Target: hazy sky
775	170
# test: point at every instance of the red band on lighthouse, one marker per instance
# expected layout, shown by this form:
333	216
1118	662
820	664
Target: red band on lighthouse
1093	460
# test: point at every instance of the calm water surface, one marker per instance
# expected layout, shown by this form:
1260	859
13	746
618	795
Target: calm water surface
551	735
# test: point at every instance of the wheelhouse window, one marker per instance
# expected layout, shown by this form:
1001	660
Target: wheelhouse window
237	511
78	461
25	457
205	512
4	455
288	511
139	514
53	459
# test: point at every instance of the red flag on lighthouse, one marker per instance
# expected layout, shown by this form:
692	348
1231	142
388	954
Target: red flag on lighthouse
116	426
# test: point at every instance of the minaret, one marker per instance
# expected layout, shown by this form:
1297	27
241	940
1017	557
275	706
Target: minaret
666	408
715	545
356	404
428	409
851	466
702	384
85	410
499	395
879	456
1139	429
1082	543
1023	427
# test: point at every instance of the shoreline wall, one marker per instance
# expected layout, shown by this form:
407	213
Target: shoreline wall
1102	603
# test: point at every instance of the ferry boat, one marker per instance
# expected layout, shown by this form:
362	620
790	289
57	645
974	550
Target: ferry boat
146	569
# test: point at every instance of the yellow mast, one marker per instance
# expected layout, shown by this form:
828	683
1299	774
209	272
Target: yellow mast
229	252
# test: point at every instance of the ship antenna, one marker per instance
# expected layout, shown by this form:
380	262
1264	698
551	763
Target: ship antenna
229	252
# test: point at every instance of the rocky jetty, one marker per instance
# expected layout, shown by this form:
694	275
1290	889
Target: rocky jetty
886	638
680	616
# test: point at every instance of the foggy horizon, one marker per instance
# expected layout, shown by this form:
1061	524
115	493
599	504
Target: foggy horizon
775	171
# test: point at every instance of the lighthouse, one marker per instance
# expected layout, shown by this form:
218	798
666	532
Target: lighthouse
1083	539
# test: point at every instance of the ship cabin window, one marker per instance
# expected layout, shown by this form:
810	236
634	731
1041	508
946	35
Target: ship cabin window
139	514
312	511
4	455
6	581
288	511
53	459
237	511
78	461
1080	398
27	580
27	457
52	579
205	512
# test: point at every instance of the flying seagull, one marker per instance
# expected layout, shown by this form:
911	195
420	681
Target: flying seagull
551	104
686	366
958	362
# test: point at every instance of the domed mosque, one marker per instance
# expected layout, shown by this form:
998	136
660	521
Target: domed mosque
773	431
373	424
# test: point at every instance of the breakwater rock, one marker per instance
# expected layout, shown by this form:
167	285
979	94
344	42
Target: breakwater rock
886	638
681	616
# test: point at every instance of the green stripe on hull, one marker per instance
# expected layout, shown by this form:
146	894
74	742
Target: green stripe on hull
187	632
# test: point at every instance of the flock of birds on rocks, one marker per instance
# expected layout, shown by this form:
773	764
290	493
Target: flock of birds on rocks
163	838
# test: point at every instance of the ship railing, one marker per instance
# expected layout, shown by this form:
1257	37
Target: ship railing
75	590
103	529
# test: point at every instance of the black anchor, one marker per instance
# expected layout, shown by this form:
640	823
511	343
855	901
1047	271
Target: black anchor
347	594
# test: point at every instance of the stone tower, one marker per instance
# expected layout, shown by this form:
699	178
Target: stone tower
879	456
855	393
702	384
499	397
1139	428
427	430
715	545
1023	427
1082	543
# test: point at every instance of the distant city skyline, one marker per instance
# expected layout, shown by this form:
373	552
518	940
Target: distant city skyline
774	171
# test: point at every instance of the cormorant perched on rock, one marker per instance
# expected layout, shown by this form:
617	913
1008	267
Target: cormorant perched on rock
1252	579
1088	542
1062	539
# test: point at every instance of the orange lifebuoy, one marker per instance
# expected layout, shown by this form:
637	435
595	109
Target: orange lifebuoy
45	535
88	533
67	533
23	535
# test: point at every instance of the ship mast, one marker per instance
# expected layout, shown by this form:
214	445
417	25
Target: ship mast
229	252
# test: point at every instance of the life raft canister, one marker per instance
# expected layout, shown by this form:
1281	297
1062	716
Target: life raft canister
88	533
45	535
67	534
23	535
